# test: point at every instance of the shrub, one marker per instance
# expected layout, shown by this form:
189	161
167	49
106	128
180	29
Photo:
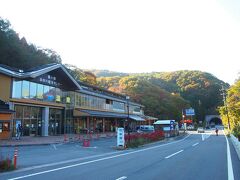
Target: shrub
6	164
136	140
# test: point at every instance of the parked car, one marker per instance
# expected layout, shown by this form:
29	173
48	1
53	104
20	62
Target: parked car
145	128
200	130
190	127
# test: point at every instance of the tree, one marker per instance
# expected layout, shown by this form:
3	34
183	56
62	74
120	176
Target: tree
233	104
16	52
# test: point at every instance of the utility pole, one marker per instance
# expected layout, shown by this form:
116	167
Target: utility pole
223	93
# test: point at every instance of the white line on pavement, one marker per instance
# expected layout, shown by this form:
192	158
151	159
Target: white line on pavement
195	144
54	147
174	154
202	137
97	160
95	147
229	161
121	178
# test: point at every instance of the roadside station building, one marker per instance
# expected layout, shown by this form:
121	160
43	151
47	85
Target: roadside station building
47	100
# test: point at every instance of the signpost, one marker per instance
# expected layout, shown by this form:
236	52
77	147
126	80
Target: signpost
120	137
190	112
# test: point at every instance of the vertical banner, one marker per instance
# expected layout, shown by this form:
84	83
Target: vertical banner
120	137
171	125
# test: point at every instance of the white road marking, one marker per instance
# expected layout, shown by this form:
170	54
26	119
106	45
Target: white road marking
205	136
195	144
121	178
174	154
95	147
54	146
229	161
97	160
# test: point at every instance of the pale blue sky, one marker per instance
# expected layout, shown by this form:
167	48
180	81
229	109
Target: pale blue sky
134	36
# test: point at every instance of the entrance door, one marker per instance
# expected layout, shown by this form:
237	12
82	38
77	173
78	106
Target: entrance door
55	120
33	127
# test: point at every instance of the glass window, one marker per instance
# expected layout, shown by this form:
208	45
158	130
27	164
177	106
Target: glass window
33	90
25	89
19	112
27	112
58	95
17	89
45	92
51	94
40	91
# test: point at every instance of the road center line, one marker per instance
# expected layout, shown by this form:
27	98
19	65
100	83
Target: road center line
195	144
97	160
174	154
229	161
121	178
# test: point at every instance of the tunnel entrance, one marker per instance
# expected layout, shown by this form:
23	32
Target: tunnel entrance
215	121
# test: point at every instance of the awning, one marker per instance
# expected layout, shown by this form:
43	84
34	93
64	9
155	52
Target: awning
136	118
161	122
93	113
151	118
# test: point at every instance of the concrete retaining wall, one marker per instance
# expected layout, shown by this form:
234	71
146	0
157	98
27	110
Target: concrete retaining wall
236	145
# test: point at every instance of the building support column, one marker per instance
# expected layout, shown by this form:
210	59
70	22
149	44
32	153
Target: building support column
11	107
94	124
103	125
88	123
116	124
45	121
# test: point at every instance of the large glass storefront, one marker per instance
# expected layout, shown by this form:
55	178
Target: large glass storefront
30	118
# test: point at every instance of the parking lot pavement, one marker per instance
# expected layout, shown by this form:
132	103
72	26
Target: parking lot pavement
44	154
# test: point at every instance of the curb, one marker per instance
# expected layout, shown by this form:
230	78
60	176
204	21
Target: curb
19	145
236	144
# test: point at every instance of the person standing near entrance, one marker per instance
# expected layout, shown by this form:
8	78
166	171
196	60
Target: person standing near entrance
19	131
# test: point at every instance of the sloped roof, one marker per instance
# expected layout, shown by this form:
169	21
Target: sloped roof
35	72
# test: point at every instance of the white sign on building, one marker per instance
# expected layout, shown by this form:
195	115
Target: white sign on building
120	137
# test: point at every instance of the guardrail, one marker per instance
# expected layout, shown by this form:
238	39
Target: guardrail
236	145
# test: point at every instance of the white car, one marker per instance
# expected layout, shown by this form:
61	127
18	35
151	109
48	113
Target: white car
200	130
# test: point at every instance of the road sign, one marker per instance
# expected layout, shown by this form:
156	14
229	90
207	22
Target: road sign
120	137
190	112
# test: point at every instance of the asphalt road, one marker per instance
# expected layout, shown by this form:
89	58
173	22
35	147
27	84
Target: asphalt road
195	157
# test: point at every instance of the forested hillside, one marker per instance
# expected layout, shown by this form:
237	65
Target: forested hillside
16	52
165	90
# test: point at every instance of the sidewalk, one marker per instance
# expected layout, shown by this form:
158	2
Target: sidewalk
31	140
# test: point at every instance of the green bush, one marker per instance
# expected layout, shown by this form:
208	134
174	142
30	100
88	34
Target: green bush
6	165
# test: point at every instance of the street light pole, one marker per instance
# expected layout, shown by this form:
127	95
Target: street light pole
225	105
127	98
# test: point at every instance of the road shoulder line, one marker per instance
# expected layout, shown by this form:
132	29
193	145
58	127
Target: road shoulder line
229	161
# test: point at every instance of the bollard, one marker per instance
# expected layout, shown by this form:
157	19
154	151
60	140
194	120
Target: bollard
98	135
86	142
65	138
15	158
79	137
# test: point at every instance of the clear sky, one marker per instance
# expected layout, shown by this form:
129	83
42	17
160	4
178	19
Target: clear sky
134	35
